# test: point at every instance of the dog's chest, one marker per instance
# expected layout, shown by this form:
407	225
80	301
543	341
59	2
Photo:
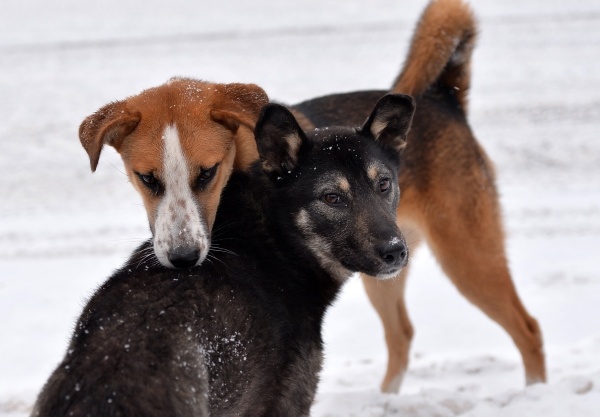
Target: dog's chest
302	380
266	384
263	371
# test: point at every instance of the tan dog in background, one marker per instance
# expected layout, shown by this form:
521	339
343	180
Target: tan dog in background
449	197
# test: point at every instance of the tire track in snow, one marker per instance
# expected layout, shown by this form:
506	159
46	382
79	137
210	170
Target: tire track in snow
300	31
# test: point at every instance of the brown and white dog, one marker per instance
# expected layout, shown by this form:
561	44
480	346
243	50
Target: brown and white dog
179	143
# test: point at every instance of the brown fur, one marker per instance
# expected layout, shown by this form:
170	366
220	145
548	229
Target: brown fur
435	55
215	125
449	197
458	212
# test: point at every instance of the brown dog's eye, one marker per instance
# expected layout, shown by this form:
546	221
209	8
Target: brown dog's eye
206	174
150	181
332	199
384	185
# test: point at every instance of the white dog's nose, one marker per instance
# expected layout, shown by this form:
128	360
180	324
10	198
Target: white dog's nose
184	257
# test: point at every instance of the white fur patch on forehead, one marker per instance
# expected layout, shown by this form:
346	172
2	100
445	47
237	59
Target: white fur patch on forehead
179	221
175	165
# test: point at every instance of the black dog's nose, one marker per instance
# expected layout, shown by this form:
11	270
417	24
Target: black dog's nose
184	257
393	252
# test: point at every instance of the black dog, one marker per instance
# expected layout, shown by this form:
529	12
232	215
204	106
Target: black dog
241	335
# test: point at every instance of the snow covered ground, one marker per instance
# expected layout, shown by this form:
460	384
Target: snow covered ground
535	105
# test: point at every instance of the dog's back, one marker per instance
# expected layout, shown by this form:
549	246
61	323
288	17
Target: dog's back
155	342
215	340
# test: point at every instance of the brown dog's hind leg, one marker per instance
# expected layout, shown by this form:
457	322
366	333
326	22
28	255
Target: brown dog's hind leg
467	239
388	299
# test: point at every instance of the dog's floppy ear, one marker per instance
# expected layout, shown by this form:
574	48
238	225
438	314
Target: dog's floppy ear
238	104
109	125
390	120
280	140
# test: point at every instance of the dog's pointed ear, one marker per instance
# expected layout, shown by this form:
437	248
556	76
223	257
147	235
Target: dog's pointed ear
390	121
109	125
280	140
238	104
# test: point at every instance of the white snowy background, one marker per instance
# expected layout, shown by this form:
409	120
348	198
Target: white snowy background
535	106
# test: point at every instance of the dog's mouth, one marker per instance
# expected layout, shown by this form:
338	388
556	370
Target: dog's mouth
384	274
389	274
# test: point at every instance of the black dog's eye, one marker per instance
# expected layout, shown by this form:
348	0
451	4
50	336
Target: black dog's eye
150	181
206	174
384	185
332	199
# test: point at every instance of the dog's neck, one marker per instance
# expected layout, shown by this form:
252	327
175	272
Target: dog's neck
250	201
286	231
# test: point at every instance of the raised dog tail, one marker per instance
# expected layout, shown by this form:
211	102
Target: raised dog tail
440	52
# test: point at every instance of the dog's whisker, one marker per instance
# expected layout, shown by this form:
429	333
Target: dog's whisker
214	258
407	232
223	239
226	225
118	169
146	255
215	248
126	241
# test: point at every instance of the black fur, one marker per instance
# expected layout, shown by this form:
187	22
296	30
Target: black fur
241	334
